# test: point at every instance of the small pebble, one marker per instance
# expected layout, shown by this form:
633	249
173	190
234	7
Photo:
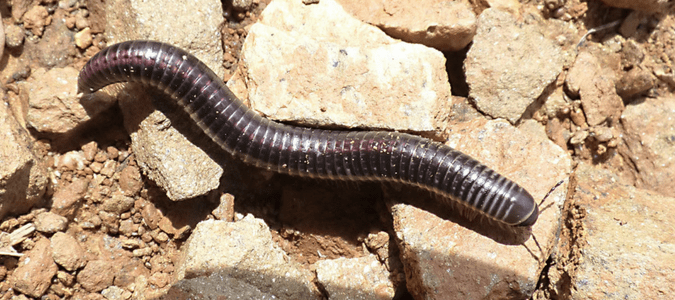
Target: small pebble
142	252
109	168
81	21
49	222
161	237
113	153
89	150
14	36
84	38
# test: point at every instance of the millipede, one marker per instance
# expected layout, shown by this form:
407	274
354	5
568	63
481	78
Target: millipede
308	152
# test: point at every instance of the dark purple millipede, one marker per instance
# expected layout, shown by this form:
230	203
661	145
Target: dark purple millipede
316	153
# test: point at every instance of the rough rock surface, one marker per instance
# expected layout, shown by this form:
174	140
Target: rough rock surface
68	199
245	250
509	64
67	252
22	179
49	222
96	275
215	286
650	133
595	87
163	153
317	65
444	259
35	271
628	239
53	104
354	278
444	25
35	19
168	157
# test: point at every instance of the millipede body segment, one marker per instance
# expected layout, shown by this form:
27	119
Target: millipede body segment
299	151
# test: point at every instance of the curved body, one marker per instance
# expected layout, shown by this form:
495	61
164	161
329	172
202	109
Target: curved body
342	155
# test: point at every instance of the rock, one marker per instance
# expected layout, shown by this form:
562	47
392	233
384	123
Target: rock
35	270
67	252
118	204
595	86
166	225
215	286
644	5
110	221
245	250
129	271
509	64
70	161
83	38
635	81
53	104
96	276
13	36
130	181
355	278
108	168
242	5
49	222
35	19
225	210
115	293
159	279
476	259
316	65
179	24
89	150
617	218
19	8
650	131
67	200
151	215
23	179
128	228
169	158
444	25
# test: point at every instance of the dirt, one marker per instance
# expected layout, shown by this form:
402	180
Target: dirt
341	219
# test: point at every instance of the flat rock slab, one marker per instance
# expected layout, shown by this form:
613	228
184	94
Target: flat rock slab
509	64
650	133
444	25
478	260
628	245
245	250
317	65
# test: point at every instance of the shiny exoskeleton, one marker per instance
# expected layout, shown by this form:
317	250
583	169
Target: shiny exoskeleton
330	154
